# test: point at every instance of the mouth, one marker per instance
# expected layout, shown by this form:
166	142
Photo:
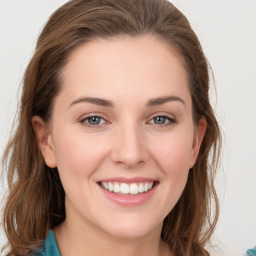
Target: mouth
127	188
128	191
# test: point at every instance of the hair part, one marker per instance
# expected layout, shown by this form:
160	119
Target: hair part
36	197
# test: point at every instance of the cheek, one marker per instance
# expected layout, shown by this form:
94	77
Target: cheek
77	155
173	153
175	166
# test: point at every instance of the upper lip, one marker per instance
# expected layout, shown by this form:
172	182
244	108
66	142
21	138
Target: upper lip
128	180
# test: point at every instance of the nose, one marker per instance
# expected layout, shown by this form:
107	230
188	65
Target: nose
129	148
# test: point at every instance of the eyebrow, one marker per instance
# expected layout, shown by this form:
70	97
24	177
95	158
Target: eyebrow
108	103
165	99
96	101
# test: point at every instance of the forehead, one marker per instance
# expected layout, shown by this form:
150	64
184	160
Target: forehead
124	66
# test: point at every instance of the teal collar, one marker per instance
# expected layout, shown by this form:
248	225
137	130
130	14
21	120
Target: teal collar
49	248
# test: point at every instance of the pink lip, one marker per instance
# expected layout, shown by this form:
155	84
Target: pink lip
128	180
129	200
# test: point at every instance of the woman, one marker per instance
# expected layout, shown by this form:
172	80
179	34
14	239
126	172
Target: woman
112	151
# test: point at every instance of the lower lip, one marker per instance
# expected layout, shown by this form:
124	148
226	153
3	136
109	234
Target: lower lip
129	200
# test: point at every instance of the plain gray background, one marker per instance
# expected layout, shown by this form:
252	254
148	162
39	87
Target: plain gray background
227	31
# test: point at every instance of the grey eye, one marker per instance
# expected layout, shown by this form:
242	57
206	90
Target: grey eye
160	119
94	120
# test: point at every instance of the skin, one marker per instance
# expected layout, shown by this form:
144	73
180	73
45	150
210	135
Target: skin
128	142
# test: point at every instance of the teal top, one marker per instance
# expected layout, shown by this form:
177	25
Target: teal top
251	252
49	247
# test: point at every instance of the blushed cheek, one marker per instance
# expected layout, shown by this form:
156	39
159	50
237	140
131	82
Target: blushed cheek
173	160
78	157
173	154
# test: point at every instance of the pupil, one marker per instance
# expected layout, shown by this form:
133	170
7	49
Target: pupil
94	120
159	120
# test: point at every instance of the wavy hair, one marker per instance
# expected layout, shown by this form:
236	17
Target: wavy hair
35	201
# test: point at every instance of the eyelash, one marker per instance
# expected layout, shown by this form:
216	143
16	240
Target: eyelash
170	121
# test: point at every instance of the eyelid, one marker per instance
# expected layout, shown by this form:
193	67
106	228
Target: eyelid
92	114
156	114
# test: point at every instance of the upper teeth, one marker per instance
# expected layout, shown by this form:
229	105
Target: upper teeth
124	188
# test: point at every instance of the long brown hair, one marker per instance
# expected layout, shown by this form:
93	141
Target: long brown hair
35	202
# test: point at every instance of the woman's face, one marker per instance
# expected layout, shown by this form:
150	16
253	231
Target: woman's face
122	135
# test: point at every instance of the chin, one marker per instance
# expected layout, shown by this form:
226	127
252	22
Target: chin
131	229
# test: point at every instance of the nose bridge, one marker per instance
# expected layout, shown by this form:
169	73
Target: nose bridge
129	148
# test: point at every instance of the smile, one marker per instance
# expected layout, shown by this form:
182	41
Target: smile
129	192
126	188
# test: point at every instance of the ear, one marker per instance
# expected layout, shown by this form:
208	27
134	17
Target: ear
198	138
45	142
